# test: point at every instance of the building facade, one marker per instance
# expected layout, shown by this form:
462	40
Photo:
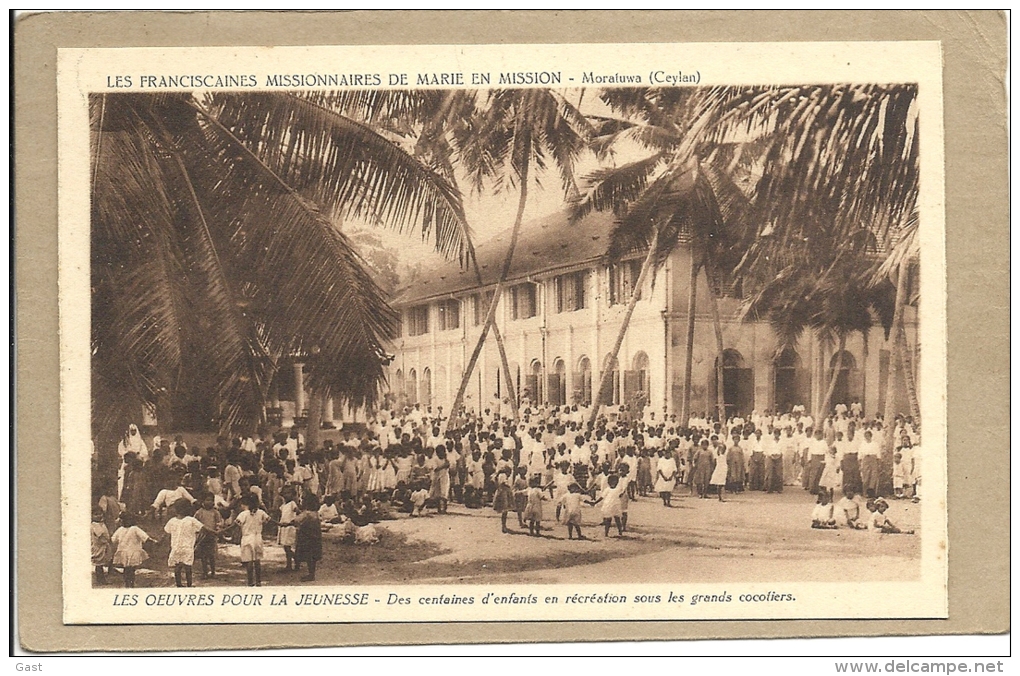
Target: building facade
560	313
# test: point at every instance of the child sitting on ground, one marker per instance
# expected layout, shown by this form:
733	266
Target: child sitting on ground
822	515
418	498
850	508
880	523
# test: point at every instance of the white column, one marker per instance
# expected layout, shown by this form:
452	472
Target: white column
327	411
299	389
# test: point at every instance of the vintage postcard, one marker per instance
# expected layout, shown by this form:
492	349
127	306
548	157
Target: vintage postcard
514	333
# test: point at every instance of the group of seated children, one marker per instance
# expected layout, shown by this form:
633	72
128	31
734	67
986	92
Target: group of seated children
824	514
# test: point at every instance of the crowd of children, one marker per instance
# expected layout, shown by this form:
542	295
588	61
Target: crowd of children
416	461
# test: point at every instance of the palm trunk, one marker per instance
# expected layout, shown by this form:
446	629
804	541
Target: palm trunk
490	316
896	366
510	393
720	394
498	336
607	369
835	376
692	298
907	367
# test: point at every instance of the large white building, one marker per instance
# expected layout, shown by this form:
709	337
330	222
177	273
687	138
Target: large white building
560	315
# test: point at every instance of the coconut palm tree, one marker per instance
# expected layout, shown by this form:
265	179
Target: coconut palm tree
422	121
684	192
509	133
214	251
803	157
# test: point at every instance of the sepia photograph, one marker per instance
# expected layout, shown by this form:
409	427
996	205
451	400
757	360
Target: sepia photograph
492	333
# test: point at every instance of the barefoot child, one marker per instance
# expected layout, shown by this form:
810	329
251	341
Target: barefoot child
719	473
503	498
571	503
821	515
128	539
880	523
665	479
205	549
287	536
183	530
102	548
521	494
533	511
308	545
850	508
251	522
626	489
610	500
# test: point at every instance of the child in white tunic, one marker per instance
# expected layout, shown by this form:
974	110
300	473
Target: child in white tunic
719	472
183	530
251	523
612	509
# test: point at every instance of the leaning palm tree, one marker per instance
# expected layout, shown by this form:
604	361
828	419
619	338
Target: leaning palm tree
838	155
511	132
424	122
684	191
214	253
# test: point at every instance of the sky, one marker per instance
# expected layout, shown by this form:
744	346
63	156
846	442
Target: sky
490	213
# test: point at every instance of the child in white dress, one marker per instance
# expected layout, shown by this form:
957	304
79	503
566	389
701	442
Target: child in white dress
183	530
719	472
251	522
611	507
822	515
128	539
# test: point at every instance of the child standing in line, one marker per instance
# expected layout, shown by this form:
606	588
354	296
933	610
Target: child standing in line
533	511
503	499
183	530
719	472
610	499
251	522
561	484
899	476
521	495
205	548
625	490
308	546
665	478
102	548
128	539
571	503
287	536
830	474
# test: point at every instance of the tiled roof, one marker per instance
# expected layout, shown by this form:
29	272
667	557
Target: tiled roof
544	245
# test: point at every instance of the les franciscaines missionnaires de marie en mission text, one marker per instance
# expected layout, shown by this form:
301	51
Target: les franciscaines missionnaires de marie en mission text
452	79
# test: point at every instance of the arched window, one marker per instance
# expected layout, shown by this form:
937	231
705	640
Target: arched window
441	387
737	384
558	383
791	382
399	387
635	384
426	387
611	390
412	387
582	382
533	383
849	384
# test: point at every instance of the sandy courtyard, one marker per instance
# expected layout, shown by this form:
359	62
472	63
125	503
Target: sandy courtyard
751	537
